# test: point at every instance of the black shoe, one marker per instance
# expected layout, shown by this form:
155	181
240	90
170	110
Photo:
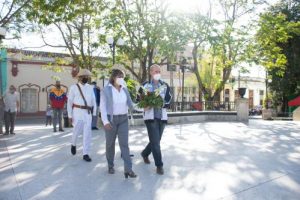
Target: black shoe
131	155
111	170
130	174
95	128
61	130
146	159
160	170
73	150
13	133
87	158
6	133
54	130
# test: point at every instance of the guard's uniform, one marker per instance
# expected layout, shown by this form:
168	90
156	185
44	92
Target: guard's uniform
82	117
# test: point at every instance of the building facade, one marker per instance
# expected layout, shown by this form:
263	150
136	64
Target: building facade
33	75
255	90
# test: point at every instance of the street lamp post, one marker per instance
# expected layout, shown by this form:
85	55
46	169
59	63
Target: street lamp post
2	36
266	90
112	44
267	85
182	67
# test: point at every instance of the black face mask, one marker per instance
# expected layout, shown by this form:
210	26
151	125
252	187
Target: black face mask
84	80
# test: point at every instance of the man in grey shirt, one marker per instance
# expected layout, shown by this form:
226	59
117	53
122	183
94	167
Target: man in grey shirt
11	102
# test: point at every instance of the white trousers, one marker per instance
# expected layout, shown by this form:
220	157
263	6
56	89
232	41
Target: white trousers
83	126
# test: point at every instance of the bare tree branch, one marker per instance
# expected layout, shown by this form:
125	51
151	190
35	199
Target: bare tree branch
8	17
50	45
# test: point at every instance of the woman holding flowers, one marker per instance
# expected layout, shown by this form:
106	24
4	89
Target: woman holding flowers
155	98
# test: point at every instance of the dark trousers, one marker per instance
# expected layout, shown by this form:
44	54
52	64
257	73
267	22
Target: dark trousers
155	130
57	117
1	124
9	118
66	122
48	120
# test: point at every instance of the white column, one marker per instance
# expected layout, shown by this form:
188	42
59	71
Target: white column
242	108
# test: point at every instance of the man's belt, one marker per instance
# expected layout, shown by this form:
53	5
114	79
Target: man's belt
83	107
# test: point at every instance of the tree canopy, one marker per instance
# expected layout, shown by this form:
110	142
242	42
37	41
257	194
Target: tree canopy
278	41
153	33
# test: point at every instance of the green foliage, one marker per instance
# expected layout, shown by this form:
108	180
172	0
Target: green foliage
12	16
55	11
210	74
274	29
57	65
219	45
150	32
131	86
267	102
150	99
278	40
78	22
55	78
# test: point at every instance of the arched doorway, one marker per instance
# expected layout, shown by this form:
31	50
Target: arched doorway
29	98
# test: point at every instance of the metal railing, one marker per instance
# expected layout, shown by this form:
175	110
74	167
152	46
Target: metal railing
203	106
284	114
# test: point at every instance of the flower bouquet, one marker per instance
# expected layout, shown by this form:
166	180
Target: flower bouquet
150	99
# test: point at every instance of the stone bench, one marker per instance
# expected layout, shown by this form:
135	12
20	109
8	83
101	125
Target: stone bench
192	117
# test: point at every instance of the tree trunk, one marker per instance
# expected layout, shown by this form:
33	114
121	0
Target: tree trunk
201	88
144	71
226	74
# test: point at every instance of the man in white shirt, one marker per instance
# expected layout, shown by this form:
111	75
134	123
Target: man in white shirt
11	102
81	99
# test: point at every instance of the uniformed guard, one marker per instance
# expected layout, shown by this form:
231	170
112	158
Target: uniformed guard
81	99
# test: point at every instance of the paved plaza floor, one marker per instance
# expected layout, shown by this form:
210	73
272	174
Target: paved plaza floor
204	161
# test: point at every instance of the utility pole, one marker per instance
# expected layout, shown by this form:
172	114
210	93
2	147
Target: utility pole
2	36
267	106
182	67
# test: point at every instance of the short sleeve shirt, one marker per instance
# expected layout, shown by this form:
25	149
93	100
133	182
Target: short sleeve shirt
10	102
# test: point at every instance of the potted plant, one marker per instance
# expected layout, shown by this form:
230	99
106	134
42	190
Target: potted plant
242	92
267	111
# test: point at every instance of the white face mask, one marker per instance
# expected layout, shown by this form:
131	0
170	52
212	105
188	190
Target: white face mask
120	81
156	77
